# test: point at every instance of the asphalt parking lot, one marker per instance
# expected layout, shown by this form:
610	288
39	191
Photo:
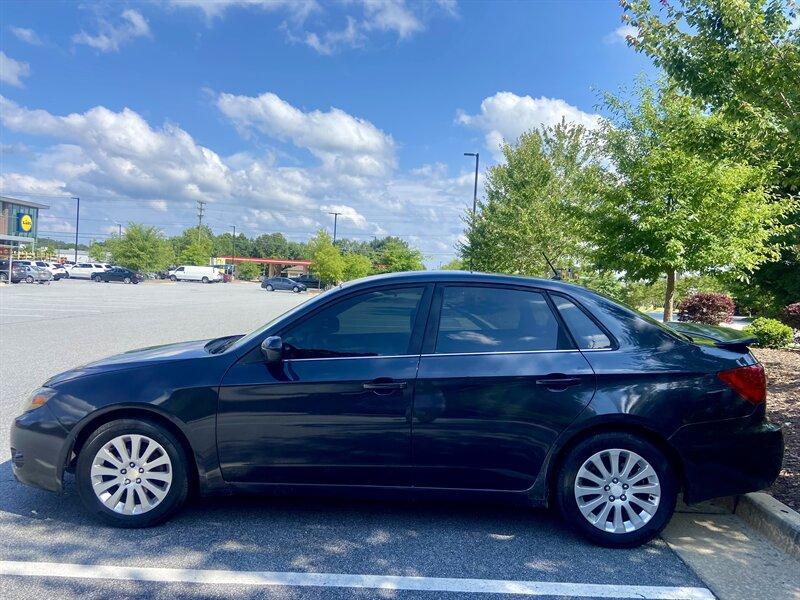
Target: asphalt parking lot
265	547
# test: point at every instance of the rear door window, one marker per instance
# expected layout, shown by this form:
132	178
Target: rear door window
487	319
585	331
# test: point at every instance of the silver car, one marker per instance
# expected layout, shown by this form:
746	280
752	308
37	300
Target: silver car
37	275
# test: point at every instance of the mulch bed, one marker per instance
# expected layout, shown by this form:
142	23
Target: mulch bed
783	406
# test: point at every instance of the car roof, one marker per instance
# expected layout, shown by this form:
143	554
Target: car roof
459	277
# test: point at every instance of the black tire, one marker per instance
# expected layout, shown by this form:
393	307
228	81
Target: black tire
126	280
173	278
296	290
204	280
568	505
97	278
178	490
3	277
269	288
29	279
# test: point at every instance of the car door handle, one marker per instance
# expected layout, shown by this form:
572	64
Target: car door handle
385	385
558	382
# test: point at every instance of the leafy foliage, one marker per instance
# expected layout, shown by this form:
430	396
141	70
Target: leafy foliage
535	203
356	266
394	254
141	248
770	333
791	315
709	308
675	207
327	262
247	271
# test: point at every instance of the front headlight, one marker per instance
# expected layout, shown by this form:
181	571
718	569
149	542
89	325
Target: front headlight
38	398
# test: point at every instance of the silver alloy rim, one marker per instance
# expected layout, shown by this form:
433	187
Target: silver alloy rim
617	491
131	474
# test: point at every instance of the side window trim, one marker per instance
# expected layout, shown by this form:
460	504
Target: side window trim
416	333
590	316
432	329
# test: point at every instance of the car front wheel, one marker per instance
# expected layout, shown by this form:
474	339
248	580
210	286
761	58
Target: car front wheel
296	290
269	288
132	473
616	489
29	279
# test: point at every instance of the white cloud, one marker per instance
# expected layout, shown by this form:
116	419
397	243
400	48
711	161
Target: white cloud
621	34
331	41
506	116
110	37
212	9
342	142
12	71
126	169
28	36
391	15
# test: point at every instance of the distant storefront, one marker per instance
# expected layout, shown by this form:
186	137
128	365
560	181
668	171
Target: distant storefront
19	224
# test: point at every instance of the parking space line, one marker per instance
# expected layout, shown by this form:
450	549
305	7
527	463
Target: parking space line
337	580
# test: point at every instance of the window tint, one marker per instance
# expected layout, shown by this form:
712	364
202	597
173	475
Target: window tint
585	331
483	319
375	323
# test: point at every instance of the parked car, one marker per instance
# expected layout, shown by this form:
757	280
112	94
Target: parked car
119	274
521	389
36	274
18	272
86	270
308	280
282	283
194	273
56	271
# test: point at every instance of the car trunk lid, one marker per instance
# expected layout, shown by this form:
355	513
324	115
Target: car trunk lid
722	337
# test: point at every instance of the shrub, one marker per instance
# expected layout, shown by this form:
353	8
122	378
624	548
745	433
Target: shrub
247	271
791	315
706	307
770	333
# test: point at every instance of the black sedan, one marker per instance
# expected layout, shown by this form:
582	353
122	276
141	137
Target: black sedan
432	384
118	274
282	283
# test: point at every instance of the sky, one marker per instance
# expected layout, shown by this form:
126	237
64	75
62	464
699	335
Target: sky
276	113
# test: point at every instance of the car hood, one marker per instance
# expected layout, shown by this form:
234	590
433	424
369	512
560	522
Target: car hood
136	358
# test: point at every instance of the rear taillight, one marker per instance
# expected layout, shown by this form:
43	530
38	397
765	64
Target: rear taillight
749	382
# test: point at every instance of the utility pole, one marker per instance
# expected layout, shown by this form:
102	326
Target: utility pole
77	224
477	156
335	219
234	244
201	206
119	229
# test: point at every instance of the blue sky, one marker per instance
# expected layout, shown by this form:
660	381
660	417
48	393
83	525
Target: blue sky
276	113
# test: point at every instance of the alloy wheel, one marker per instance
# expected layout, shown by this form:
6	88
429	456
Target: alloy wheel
131	474
617	491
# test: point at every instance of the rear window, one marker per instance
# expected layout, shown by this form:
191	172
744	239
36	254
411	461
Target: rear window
586	332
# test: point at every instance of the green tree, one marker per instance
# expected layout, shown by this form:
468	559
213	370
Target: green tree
247	271
98	251
356	266
396	255
327	262
673	207
454	265
141	248
535	203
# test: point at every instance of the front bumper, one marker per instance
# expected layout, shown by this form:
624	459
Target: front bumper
729	457
38	442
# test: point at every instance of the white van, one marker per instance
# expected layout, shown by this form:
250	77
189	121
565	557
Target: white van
192	273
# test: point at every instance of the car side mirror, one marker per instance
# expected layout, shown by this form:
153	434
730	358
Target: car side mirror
272	349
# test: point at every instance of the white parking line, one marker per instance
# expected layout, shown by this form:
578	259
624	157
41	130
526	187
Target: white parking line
336	580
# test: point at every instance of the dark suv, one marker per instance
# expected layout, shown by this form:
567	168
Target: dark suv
120	274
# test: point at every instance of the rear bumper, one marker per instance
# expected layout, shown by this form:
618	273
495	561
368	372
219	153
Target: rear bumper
38	442
729	457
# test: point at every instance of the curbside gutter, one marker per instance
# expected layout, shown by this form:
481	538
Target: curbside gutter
773	519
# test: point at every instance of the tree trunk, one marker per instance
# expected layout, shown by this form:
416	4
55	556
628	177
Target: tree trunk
669	297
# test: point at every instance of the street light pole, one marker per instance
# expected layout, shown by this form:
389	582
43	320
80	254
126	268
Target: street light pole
77	224
234	243
119	229
477	156
335	219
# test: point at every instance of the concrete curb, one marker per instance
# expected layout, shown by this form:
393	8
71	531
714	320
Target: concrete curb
773	519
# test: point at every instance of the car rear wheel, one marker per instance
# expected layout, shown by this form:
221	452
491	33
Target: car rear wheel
269	288
126	280
29	279
616	489
132	473
204	280
3	277
173	278
97	278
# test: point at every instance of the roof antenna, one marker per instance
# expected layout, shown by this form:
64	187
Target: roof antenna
556	276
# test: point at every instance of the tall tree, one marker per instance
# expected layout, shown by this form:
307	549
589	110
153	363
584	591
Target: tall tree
395	254
674	207
141	247
356	266
535	203
326	260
